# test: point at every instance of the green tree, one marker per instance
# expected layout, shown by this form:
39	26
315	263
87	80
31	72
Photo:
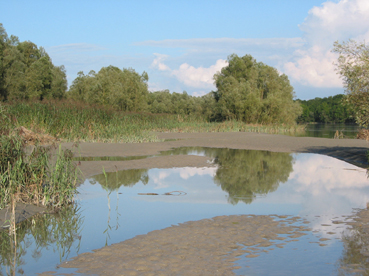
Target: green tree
26	71
353	67
123	89
254	92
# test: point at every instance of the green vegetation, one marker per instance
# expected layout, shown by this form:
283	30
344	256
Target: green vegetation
44	176
353	65
73	121
247	91
253	92
34	178
26	71
123	89
326	110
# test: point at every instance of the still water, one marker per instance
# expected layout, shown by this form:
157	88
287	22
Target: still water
109	209
329	130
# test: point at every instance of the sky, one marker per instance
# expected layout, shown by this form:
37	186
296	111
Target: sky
182	44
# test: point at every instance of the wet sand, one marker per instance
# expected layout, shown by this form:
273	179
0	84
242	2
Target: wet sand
205	247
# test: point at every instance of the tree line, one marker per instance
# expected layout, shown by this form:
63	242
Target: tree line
26	71
246	90
326	110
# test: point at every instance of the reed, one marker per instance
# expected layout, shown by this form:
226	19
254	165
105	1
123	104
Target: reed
41	178
75	121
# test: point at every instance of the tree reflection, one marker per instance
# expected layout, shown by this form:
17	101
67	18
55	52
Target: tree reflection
355	256
246	174
44	231
243	174
113	180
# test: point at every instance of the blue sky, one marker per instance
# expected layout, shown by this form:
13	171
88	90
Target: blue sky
181	44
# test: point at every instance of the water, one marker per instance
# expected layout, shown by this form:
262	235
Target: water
329	130
109	209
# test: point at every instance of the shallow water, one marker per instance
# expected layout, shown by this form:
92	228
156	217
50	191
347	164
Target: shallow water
109	209
329	130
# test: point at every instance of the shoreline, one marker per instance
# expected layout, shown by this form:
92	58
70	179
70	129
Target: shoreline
353	151
349	150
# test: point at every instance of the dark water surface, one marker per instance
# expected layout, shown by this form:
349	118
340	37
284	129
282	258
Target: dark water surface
109	209
329	130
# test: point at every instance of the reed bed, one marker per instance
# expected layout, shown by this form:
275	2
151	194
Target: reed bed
75	121
44	177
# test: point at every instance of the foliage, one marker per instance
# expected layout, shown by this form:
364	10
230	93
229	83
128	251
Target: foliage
254	93
27	72
124	89
353	67
326	110
74	121
34	178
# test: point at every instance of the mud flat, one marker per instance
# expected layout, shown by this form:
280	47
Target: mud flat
205	247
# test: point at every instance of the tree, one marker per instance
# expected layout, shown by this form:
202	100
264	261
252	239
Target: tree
353	67
254	92
123	89
27	72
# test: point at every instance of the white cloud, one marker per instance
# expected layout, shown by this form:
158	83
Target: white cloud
200	77
313	65
158	62
336	21
188	172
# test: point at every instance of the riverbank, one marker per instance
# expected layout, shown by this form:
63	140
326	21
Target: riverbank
350	150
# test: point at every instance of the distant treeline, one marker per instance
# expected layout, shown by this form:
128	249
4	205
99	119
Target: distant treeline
332	109
246	90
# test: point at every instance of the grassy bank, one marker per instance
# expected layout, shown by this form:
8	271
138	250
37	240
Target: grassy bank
37	174
71	121
46	176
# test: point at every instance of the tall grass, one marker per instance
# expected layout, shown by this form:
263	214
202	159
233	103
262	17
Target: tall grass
36	178
73	121
44	176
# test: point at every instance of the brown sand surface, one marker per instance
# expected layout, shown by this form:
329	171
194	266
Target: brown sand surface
204	247
22	212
